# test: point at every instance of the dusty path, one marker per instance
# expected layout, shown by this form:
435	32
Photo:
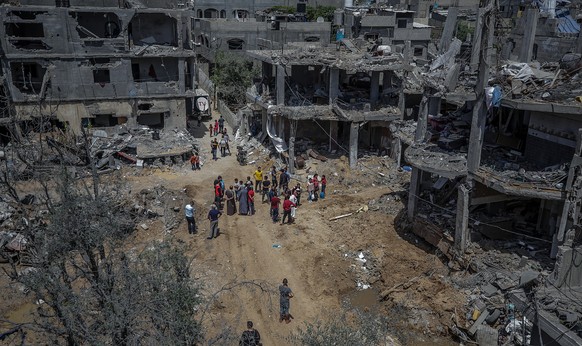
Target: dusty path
312	256
244	252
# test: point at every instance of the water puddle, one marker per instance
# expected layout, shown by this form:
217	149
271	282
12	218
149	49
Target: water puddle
363	299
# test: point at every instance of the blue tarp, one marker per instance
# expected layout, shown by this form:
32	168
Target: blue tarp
566	24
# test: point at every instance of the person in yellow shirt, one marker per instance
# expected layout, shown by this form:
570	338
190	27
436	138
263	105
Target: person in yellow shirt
258	179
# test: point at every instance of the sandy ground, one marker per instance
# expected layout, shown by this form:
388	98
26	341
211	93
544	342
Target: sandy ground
242	268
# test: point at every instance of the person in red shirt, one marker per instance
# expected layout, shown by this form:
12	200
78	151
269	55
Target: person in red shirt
217	194
287	204
275	201
251	199
315	187
323	183
195	162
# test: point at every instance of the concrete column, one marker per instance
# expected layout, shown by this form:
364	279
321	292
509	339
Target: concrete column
476	47
529	34
375	88
354	129
479	109
263	120
407	52
333	130
333	84
182	75
280	85
396	150
422	122
402	103
292	134
415	180
449	30
281	129
461	227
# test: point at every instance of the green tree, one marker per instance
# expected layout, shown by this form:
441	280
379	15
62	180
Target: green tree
283	9
95	291
463	30
233	75
326	12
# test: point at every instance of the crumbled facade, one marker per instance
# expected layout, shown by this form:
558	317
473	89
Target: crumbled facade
341	98
99	66
495	156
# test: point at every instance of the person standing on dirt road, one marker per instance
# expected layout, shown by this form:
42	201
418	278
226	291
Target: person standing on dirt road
285	295
222	147
250	337
293	199
251	199
227	140
217	193
215	128
220	124
189	212
273	174
287	205
258	179
230	201
214	148
213	216
210	129
266	188
275	202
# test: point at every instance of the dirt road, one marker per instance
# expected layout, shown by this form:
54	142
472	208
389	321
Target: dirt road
311	254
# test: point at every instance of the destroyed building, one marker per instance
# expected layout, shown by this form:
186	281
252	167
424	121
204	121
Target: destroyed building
243	9
344	99
387	26
547	33
213	35
99	63
495	157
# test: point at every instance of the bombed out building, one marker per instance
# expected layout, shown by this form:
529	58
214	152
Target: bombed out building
495	167
335	97
99	63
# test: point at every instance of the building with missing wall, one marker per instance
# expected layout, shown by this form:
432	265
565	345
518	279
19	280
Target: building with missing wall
99	63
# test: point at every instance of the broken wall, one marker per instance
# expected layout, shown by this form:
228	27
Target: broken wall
130	112
216	34
154	28
567	271
550	139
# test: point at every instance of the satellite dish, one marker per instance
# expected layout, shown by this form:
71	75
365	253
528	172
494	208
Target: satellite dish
320	20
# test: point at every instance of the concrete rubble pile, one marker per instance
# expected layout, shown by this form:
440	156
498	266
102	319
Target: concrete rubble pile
512	166
549	82
499	270
365	268
141	146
